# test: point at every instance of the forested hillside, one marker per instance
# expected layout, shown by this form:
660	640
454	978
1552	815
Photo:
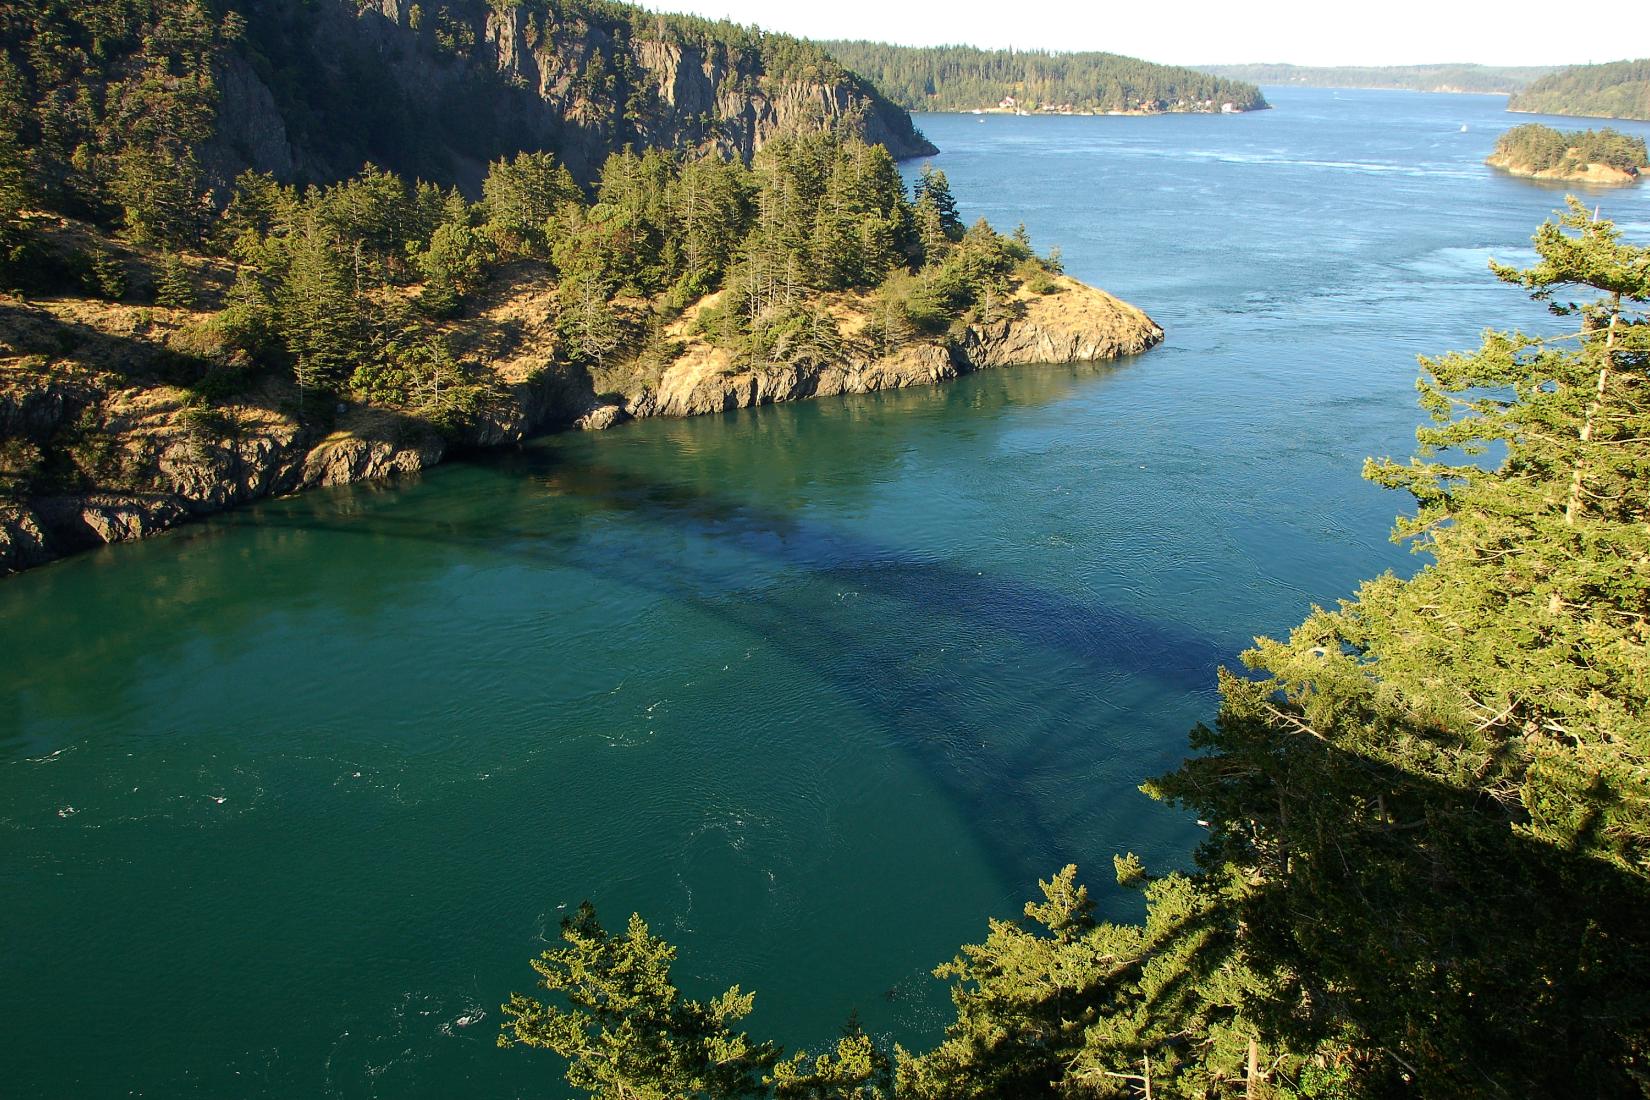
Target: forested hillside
310	90
963	78
1415	78
181	341
164	358
1428	853
1619	89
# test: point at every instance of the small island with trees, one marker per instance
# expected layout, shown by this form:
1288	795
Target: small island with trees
1539	152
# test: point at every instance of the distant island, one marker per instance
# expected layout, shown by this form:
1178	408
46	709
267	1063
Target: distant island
1486	79
1618	89
1581	156
964	78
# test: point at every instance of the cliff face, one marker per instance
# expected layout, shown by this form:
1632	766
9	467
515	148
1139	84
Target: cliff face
315	89
134	455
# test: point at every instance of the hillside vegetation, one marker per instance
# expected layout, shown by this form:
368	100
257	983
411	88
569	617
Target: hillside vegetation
1415	78
1618	89
963	78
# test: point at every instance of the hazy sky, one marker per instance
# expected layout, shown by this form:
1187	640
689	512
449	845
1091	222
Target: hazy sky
1385	32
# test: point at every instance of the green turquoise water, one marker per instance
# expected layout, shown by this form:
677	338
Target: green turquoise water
289	796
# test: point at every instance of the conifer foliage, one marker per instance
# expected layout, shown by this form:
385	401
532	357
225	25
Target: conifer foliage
1428	863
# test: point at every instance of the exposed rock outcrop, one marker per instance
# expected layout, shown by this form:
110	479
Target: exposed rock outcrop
1598	174
1075	323
135	457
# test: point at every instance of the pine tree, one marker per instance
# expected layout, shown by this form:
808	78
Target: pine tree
1436	797
107	277
12	197
590	330
174	287
934	216
710	214
519	197
627	1032
453	265
320	315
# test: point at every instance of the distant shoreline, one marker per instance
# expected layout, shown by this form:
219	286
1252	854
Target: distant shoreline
1015	113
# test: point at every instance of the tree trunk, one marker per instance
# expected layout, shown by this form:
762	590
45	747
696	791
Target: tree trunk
1573	505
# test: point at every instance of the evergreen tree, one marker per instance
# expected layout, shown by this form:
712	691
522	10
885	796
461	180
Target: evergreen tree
627	1032
519	197
590	329
453	265
1436	796
321	318
934	187
710	213
962	78
1429	828
857	1069
12	194
174	287
106	274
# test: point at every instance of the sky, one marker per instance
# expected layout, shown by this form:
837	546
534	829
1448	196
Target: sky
1191	32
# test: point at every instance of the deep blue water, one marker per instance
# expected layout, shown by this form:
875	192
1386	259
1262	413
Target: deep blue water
817	688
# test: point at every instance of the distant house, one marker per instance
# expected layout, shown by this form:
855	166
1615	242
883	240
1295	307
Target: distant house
1228	108
1008	103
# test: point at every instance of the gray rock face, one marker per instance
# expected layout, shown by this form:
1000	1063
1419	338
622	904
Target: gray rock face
1018	343
23	542
917	365
600	418
340	460
176	474
116	519
479	79
209	476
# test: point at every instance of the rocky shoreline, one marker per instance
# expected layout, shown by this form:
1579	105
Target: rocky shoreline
1599	174
188	468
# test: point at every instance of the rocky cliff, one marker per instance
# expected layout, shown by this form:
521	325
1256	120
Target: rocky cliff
315	88
120	453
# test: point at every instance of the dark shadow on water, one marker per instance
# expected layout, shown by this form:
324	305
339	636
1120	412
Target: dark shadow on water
948	714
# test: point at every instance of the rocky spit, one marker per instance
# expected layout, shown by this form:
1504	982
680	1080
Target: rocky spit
165	465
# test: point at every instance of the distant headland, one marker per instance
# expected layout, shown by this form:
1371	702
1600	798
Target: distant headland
966	78
1473	79
1617	89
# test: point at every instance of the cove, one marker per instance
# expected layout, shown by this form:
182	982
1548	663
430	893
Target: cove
817	688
